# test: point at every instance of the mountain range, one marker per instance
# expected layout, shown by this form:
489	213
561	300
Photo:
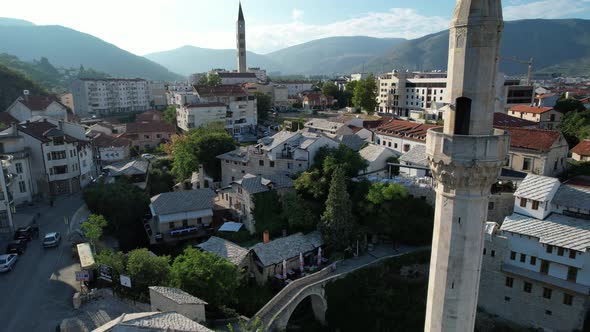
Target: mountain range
556	46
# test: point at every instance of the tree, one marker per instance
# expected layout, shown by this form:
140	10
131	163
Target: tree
160	178
93	227
330	89
297	213
210	80
263	105
254	325
205	275
575	127
365	94
566	105
337	224
170	115
267	212
146	269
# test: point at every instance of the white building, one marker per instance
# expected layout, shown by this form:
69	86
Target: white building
296	87
329	128
110	95
260	73
191	116
26	107
376	157
535	266
400	93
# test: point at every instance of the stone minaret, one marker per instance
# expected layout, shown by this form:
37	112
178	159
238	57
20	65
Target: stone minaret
241	41
465	158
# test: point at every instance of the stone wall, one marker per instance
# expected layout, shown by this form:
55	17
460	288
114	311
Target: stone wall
500	206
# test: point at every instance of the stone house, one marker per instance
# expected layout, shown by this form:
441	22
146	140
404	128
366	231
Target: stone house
329	128
268	256
534	269
241	194
546	117
173	299
234	253
285	153
376	157
181	215
581	152
148	134
109	148
537	151
415	157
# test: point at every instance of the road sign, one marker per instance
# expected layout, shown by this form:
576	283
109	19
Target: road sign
105	273
125	280
82	275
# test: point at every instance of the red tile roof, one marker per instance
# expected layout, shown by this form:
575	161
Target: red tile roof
505	120
149	116
583	148
221	90
530	109
150	127
406	129
7	119
103	140
533	139
39	103
42	130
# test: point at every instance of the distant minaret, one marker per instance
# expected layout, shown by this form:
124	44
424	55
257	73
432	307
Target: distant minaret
465	158
241	41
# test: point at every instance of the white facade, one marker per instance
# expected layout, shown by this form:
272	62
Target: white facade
402	92
114	95
260	73
27	107
296	87
200	115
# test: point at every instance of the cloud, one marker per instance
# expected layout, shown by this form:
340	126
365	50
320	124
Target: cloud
545	9
296	14
394	23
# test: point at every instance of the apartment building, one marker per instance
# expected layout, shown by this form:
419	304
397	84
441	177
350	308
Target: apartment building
535	265
191	116
110	95
402	93
285	153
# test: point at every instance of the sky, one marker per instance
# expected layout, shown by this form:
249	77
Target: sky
146	26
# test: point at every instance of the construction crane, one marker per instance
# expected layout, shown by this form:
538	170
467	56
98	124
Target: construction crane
524	62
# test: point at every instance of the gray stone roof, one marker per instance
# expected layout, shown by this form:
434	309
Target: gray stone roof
354	142
416	156
152	322
285	248
372	151
324	124
255	184
572	196
537	187
183	201
224	248
278	139
177	295
133	167
239	154
557	230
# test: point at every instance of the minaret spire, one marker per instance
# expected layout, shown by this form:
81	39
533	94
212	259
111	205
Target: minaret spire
241	41
465	158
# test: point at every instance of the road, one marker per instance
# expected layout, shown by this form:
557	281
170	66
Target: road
37	294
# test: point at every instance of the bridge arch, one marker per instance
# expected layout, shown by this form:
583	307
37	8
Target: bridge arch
319	305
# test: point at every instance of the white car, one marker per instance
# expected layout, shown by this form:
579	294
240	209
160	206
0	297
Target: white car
7	262
148	156
51	240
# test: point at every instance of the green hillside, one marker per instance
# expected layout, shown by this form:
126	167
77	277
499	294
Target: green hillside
12	84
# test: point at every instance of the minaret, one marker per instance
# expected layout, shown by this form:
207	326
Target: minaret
465	158
241	41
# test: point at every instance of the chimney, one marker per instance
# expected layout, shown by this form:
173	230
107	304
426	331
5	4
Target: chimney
265	237
201	176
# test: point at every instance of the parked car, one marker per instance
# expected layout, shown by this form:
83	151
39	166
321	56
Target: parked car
23	233
148	156
16	247
51	240
7	262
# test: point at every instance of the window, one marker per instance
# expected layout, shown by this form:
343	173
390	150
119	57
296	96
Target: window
560	251
158	136
523	202
509	282
544	266
406	147
526	164
272	164
484	251
199	221
171	225
549	249
22	186
490	205
533	260
572	273
58	141
522	258
185	223
568	299
493	253
395	145
547	292
548	312
512	255
507	298
19	168
527	287
57	155
48	156
146	136
535	205
261	163
290	165
572	254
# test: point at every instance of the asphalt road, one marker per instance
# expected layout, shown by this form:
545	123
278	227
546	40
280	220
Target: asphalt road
37	294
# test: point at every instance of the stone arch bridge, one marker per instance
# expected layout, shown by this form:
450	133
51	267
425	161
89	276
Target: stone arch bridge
276	313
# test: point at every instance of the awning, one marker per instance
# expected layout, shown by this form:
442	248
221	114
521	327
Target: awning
86	257
230	226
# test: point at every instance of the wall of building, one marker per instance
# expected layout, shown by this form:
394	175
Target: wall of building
400	145
500	206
